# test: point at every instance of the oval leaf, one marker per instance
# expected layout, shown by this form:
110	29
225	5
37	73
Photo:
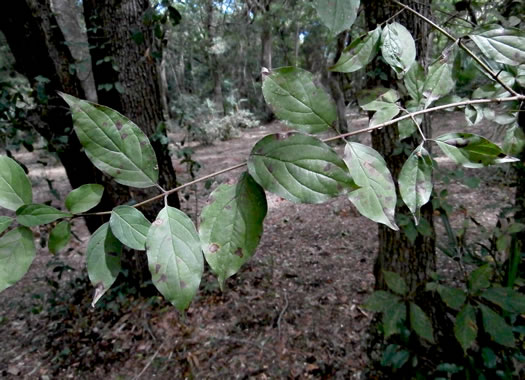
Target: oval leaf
17	251
506	298
114	144
299	168
514	141
38	214
453	297
337	15
496	327
5	222
103	260
415	181
359	54
393	318
174	257
398	47
84	198
59	236
296	99
380	301
376	199
395	282
465	328
15	186
439	82
472	151
503	45
420	323
130	226
415	81
232	225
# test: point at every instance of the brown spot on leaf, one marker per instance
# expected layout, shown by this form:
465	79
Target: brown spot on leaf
183	285
142	143
119	125
163	278
270	168
214	247
239	252
228	207
157	268
124	135
327	167
158	222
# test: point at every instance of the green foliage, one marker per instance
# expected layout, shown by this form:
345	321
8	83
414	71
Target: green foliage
114	144
84	198
37	214
398	48
502	45
232	225
174	256
17	252
359	53
299	168
103	257
15	187
337	15
296	99
59	236
129	226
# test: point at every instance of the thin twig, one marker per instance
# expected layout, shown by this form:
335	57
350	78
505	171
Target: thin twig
416	123
338	137
149	362
487	69
281	314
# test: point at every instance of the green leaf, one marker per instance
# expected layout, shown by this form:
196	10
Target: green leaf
296	100
415	81
395	282
395	356
103	257
496	327
453	297
299	168
385	113
15	186
473	114
59	236
38	214
420	323
472	151
514	141
439	82
114	144
232	225
5	222
465	328
337	15
393	318
129	226
175	256
503	45
17	251
380	301
84	198
506	298
398	48
480	278
359	54
376	199
415	181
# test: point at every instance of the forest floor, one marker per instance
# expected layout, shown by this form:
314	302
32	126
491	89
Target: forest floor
292	312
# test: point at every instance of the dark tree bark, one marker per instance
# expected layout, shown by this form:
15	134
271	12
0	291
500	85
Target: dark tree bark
122	31
396	253
335	82
33	36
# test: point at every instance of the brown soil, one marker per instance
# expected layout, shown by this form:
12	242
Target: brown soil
292	312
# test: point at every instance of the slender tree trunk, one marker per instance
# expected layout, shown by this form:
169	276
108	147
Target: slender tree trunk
123	45
266	54
335	82
44	43
213	61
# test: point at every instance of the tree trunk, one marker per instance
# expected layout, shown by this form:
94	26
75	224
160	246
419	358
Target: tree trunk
335	82
213	61
44	43
266	54
396	253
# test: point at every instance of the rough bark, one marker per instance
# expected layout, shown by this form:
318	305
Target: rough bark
43	42
335	81
413	261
